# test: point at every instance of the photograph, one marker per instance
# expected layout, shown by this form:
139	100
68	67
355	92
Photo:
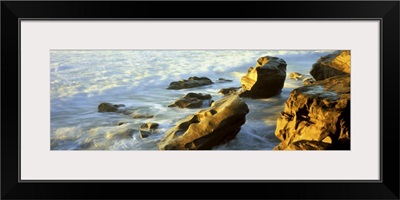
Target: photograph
200	99
108	99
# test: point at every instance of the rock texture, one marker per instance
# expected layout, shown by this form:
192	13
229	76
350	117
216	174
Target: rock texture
264	80
335	64
316	117
308	81
295	75
190	83
147	129
108	107
207	128
191	100
228	91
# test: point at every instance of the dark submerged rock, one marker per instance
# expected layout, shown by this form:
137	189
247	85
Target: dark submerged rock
108	107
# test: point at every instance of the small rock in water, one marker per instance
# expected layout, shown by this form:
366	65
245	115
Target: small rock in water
149	126
191	100
108	107
228	91
308	81
147	129
222	80
190	83
121	123
295	75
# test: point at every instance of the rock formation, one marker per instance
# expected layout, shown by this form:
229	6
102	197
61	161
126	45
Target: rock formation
335	64
308	81
190	83
228	91
264	80
147	129
191	100
222	80
108	107
207	128
295	75
316	116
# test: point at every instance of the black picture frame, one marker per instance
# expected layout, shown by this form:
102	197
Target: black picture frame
386	11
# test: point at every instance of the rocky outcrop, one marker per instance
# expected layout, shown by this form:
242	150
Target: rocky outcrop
109	107
229	91
264	80
207	128
295	75
191	100
335	64
316	117
190	83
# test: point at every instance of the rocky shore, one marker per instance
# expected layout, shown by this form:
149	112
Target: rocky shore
316	116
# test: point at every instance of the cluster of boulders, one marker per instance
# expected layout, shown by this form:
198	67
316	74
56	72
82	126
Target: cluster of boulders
316	116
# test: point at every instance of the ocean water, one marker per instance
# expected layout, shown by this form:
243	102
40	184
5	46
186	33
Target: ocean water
82	79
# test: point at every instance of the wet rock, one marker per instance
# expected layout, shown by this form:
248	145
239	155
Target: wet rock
295	75
197	96
144	134
122	134
149	126
222	80
121	123
229	91
142	113
308	81
264	80
207	128
190	83
316	116
147	129
108	107
191	100
331	65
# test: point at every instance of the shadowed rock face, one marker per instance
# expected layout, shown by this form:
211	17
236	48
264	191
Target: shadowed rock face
335	64
190	83
229	91
191	100
316	117
264	80
207	128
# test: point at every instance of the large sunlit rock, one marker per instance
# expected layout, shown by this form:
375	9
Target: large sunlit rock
264	80
316	117
335	64
207	128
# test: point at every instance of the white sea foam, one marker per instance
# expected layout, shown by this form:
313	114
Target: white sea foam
80	80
